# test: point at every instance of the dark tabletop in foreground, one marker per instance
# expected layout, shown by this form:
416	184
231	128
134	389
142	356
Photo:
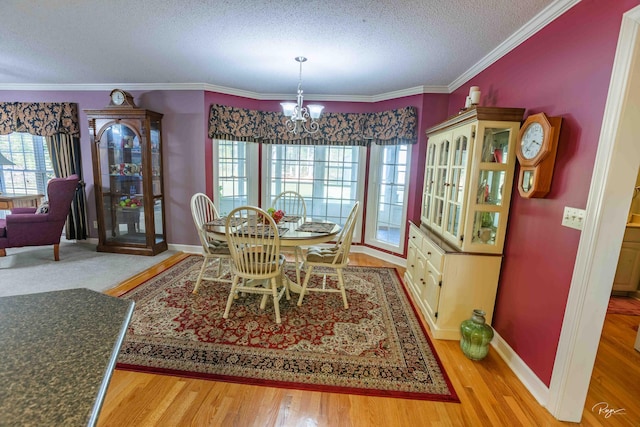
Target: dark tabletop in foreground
57	353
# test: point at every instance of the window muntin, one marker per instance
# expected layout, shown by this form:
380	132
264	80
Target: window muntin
387	211
32	169
235	177
329	178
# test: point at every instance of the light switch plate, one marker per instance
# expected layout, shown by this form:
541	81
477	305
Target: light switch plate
573	217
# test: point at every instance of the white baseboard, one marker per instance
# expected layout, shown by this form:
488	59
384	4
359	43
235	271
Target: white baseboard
190	249
526	376
393	259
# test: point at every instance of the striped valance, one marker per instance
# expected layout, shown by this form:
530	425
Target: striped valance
39	118
384	128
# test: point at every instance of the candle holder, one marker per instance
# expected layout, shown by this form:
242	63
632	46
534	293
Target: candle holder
474	95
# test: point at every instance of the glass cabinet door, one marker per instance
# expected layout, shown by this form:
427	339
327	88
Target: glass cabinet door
441	173
490	206
156	178
429	179
456	187
120	155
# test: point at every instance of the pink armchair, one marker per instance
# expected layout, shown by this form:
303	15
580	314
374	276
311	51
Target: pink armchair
25	227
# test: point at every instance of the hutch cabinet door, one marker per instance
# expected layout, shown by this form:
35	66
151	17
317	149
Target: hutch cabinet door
431	291
411	262
429	181
443	154
456	187
490	187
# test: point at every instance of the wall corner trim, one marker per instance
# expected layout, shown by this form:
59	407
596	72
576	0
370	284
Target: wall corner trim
529	379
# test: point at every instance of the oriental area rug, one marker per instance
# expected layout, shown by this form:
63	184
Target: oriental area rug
377	347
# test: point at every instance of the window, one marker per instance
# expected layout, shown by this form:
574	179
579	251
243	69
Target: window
235	176
330	178
32	169
386	213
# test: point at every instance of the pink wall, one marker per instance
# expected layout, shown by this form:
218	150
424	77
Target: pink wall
563	70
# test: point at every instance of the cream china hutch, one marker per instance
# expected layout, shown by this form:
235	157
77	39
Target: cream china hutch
127	171
454	256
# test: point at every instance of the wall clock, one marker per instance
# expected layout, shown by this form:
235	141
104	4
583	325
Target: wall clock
121	98
536	150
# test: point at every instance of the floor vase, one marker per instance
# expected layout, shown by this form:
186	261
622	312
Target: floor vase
475	336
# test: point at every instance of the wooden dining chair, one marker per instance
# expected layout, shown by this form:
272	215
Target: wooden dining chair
203	211
335	257
258	265
292	203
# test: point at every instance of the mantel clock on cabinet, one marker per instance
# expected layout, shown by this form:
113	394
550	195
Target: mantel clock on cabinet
126	145
536	151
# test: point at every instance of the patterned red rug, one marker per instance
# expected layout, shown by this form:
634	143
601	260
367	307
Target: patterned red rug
624	305
377	347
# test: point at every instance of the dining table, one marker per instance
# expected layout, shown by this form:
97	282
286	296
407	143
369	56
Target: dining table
295	232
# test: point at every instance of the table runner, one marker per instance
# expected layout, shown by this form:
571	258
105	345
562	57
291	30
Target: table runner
222	221
316	227
261	230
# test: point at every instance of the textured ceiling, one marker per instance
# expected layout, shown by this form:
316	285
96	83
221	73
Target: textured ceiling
355	47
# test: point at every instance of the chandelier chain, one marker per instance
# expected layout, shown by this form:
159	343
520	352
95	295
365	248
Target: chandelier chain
297	113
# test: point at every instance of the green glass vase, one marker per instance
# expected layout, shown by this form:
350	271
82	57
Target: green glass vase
475	336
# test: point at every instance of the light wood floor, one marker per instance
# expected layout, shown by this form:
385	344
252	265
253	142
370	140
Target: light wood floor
489	392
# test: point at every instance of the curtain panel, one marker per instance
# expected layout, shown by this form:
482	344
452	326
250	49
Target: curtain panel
384	128
39	118
67	160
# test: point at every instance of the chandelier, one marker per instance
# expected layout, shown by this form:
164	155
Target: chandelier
299	115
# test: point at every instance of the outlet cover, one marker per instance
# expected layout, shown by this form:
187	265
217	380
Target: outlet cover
95	224
573	217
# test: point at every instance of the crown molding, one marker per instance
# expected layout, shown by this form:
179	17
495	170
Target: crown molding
541	20
40	87
417	90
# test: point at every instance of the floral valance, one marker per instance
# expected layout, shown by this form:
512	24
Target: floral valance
39	118
384	128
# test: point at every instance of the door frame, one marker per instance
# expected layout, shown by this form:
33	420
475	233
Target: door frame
614	176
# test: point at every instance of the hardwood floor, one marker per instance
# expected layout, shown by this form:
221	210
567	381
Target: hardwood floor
490	394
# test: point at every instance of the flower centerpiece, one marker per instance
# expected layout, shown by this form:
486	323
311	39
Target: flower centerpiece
277	215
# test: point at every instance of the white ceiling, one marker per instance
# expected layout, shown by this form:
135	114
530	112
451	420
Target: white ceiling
354	47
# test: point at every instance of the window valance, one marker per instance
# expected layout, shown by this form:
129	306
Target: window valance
383	128
39	118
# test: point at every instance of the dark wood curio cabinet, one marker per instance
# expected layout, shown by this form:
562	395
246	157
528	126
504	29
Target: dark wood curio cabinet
126	145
